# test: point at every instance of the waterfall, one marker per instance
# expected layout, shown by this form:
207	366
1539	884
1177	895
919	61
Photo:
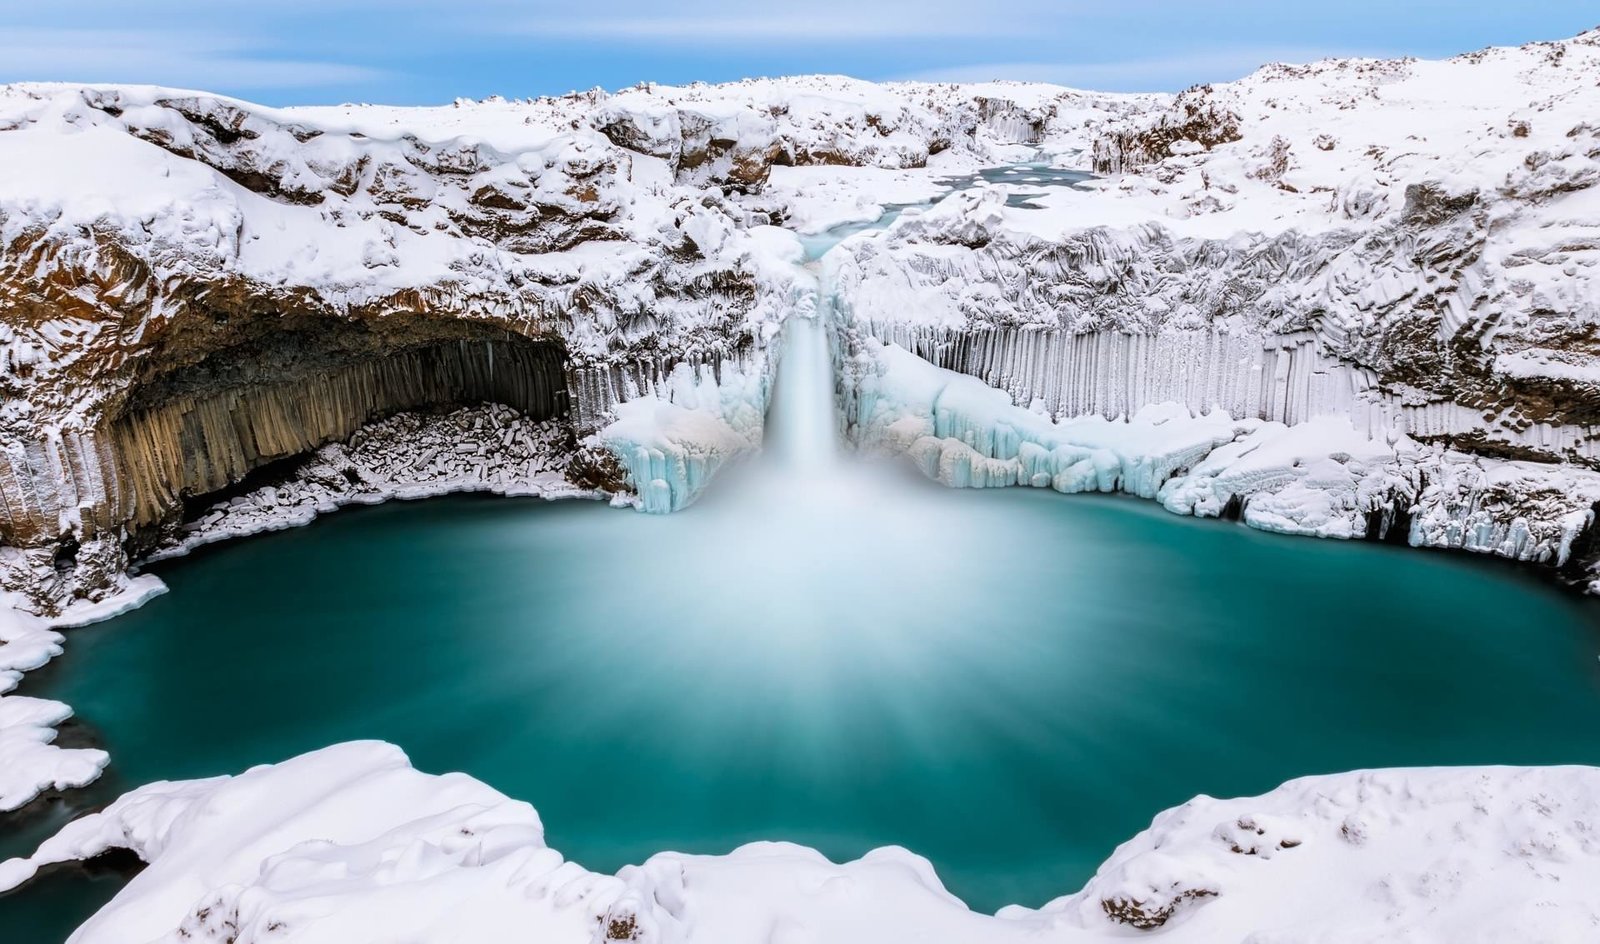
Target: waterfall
802	431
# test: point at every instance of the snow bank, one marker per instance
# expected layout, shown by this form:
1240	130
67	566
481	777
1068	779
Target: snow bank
30	762
1322	477
1426	855
350	843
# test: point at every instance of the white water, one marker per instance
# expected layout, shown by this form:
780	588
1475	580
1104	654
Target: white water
802	430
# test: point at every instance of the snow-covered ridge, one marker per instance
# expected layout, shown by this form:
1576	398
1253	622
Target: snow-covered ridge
176	263
1410	247
350	843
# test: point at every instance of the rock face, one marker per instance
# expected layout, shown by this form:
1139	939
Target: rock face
1409	246
193	288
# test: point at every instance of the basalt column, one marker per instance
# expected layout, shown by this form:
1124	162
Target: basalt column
193	443
190	421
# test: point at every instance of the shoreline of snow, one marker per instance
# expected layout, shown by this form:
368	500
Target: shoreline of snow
350	842
408	456
30	761
1321	477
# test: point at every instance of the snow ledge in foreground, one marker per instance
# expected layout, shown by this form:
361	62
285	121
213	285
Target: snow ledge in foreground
350	843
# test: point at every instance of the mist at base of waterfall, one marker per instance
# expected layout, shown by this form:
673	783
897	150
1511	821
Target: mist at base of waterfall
1009	682
828	651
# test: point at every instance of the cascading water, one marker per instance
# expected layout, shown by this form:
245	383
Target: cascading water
802	433
830	651
802	429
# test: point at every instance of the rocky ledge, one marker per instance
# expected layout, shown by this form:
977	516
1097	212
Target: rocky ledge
194	287
198	289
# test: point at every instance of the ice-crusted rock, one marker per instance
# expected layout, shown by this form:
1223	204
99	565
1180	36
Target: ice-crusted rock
195	286
1322	476
350	843
1405	246
672	442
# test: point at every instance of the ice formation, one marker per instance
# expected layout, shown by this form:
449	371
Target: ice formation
674	441
1322	476
350	843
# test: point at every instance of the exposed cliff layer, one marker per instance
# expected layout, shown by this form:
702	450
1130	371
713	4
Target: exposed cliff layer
1408	246
193	287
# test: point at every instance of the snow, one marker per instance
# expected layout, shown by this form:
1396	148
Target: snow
673	442
29	762
351	843
1321	477
819	198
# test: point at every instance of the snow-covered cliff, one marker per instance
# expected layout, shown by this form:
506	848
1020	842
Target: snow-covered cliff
350	843
195	287
1408	247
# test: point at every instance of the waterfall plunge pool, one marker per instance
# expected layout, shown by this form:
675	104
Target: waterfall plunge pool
1008	682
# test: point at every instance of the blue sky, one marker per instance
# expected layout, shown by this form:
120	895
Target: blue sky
414	52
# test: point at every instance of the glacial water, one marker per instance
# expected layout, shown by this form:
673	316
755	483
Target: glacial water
1021	182
1008	682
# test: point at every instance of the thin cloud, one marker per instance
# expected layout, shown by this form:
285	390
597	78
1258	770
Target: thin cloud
179	58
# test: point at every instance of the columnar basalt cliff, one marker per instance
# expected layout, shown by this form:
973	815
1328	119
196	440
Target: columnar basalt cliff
1407	246
196	287
192	288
